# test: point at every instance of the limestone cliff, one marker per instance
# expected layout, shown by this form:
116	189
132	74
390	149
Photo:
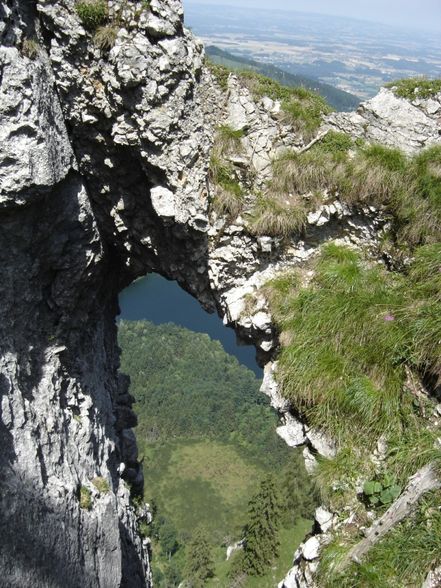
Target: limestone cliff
104	177
90	144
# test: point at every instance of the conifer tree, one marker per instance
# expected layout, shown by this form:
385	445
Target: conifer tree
200	565
261	543
298	498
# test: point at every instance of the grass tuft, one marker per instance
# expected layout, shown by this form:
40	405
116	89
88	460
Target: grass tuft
92	13
30	48
85	498
105	36
101	484
277	216
372	175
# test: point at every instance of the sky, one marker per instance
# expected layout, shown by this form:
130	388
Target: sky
421	14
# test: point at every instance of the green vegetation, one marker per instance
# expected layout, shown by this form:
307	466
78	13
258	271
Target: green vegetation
228	140
207	438
277	215
92	13
228	196
403	558
220	73
303	109
367	175
356	339
352	332
381	493
101	484
200	564
208	393
227	62
317	169
261	543
85	498
412	88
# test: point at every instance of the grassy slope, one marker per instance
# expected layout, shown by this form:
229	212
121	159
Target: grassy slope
338	99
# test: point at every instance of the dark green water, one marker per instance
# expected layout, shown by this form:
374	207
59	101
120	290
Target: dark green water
158	300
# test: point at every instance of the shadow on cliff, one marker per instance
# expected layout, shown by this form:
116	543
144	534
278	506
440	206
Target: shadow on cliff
57	345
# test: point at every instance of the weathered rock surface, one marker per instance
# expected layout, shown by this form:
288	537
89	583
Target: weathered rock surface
393	121
97	151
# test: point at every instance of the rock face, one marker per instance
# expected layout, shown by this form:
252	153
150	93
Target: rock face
393	121
103	178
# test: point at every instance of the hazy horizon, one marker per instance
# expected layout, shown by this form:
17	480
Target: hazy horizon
425	15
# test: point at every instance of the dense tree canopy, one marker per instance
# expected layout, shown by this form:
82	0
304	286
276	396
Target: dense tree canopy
185	385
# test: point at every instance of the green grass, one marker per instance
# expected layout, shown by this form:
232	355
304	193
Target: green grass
343	366
402	558
352	331
92	13
277	216
357	340
418	205
412	88
302	108
409	189
319	168
201	483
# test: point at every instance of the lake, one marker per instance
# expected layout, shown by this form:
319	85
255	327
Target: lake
158	300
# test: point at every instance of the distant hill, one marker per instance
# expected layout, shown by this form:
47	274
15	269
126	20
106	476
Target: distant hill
338	99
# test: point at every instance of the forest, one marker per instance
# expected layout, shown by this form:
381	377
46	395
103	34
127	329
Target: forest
215	471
